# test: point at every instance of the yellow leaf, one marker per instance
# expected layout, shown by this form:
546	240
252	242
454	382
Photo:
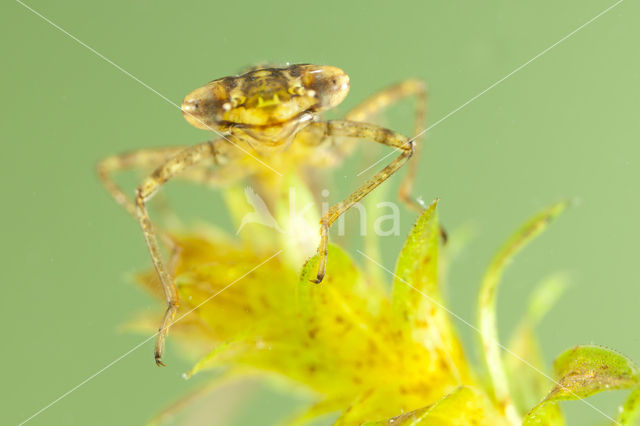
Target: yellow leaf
465	406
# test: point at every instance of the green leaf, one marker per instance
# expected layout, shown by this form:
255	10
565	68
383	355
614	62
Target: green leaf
415	288
584	371
464	406
527	385
631	409
487	303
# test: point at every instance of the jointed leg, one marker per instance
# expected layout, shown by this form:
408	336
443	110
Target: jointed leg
172	167
368	109
363	131
141	159
373	105
146	159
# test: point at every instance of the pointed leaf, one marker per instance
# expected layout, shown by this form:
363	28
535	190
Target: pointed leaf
545	415
415	288
216	357
418	310
464	406
487	303
631	409
584	371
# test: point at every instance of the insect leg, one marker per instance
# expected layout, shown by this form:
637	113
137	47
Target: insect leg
140	159
362	131
149	159
170	168
373	105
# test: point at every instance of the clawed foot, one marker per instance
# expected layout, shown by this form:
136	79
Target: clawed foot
159	362
318	279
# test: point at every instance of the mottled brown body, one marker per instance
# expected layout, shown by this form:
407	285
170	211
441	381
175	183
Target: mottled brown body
269	120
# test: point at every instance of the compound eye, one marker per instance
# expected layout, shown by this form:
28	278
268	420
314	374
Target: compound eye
330	84
202	106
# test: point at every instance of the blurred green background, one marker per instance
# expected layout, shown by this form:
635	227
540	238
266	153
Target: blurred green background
566	125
